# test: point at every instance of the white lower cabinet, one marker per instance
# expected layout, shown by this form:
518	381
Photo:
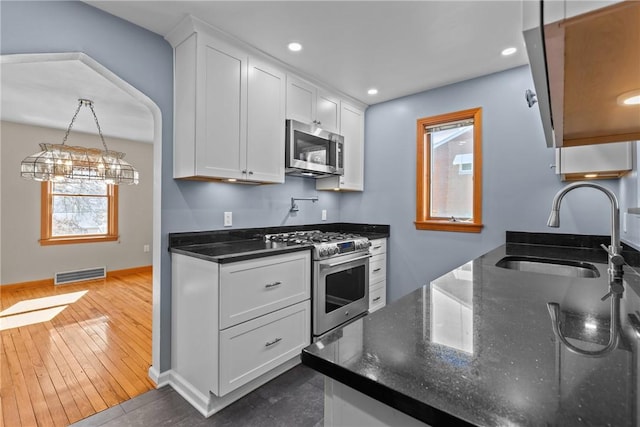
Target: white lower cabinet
250	349
252	288
378	275
237	325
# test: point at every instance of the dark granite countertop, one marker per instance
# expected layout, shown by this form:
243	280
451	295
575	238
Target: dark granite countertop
238	250
476	346
232	245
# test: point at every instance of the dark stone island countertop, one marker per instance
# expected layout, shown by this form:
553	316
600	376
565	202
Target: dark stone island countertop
232	245
476	346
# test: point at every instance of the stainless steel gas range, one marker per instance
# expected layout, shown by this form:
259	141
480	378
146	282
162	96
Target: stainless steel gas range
340	282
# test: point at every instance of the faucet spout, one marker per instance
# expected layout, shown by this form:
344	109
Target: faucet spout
615	249
294	205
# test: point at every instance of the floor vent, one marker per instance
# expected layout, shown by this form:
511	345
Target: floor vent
80	275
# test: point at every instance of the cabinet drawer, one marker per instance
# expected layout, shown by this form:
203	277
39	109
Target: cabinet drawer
257	346
378	246
377	268
377	296
249	289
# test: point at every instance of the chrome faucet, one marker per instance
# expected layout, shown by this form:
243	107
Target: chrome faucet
294	205
616	261
615	249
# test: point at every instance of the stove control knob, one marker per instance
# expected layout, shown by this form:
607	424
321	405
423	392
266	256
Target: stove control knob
334	250
323	252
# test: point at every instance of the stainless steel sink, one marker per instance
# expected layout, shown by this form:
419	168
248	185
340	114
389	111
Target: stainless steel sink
549	266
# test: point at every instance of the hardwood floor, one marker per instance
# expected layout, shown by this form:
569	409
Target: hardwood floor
88	348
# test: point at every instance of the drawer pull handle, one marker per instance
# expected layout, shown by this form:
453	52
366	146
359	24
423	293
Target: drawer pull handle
270	343
377	269
377	247
271	285
376	299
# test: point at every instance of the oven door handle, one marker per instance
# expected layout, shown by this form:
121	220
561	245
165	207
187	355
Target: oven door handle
348	261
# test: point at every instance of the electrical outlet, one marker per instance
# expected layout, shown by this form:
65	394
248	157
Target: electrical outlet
228	219
324	214
145	248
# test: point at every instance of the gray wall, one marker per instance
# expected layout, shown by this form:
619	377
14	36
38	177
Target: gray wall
518	184
24	259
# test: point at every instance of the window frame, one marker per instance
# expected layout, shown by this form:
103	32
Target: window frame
424	221
46	219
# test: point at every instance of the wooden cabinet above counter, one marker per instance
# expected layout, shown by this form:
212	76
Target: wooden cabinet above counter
584	66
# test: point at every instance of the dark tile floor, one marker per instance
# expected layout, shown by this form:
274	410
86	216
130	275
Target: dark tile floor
294	399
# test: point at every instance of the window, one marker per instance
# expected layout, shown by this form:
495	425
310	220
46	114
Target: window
79	212
449	172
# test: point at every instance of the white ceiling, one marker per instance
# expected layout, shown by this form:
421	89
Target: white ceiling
399	47
45	93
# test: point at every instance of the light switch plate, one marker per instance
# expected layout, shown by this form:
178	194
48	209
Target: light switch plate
324	214
228	219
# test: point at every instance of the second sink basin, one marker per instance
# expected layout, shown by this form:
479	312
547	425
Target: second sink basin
549	266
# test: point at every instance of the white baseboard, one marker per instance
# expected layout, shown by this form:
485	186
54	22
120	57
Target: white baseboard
211	404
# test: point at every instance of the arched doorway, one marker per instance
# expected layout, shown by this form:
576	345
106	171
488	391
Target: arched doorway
129	99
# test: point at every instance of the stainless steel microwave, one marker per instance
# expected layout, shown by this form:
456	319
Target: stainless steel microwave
312	151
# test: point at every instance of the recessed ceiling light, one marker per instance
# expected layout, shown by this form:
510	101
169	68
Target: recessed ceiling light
630	98
372	91
509	51
294	47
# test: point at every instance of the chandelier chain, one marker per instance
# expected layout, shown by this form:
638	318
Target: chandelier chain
104	144
73	119
89	103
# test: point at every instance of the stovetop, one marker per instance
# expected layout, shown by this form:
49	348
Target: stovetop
311	236
326	244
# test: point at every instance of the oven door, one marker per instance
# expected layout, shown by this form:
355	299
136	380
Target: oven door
341	290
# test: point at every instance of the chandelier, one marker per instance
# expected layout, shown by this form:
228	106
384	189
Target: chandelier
60	162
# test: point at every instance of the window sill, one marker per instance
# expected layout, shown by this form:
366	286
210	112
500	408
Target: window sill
75	239
446	225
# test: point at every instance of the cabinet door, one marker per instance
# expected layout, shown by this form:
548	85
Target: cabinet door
253	348
352	128
328	111
265	123
301	100
610	160
221	111
377	269
252	288
377	296
378	246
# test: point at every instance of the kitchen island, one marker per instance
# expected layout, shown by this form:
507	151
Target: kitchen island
476	347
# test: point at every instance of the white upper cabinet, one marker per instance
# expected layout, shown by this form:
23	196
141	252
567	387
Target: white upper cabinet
265	122
352	128
312	105
229	109
598	161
